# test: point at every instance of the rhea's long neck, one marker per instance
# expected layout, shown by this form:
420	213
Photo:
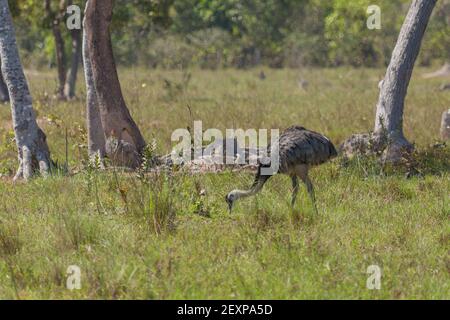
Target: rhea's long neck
252	191
244	193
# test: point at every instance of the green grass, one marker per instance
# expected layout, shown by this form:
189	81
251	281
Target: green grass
153	236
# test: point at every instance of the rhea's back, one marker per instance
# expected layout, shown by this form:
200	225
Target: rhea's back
298	145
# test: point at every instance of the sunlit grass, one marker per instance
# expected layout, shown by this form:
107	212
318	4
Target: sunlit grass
155	236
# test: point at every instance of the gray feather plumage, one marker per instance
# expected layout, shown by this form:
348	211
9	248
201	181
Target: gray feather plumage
298	145
298	150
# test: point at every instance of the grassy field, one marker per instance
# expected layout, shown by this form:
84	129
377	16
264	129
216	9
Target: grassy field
154	236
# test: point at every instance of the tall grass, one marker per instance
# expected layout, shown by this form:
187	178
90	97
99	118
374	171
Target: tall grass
168	234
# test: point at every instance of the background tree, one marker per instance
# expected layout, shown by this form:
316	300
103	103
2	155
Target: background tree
388	131
124	142
54	20
31	142
241	33
71	79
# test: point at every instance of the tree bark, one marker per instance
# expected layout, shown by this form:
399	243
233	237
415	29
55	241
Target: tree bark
124	142
389	115
31	142
4	95
71	81
388	132
445	125
96	137
55	21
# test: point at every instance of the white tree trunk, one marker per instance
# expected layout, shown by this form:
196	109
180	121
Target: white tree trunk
96	137
445	125
389	114
31	142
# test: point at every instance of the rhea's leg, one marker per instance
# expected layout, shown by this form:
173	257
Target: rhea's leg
310	188
302	172
294	189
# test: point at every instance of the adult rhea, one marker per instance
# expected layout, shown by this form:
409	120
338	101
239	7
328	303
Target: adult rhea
299	149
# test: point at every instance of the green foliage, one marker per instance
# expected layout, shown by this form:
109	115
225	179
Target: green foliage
437	40
7	149
222	33
344	29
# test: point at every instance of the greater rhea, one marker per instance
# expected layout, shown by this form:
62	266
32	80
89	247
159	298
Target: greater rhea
299	149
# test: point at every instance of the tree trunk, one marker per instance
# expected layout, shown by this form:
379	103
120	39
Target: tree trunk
71	81
4	95
388	132
31	142
96	137
445	125
55	21
389	115
124	142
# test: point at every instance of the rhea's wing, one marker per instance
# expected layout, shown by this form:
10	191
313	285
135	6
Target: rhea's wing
301	146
